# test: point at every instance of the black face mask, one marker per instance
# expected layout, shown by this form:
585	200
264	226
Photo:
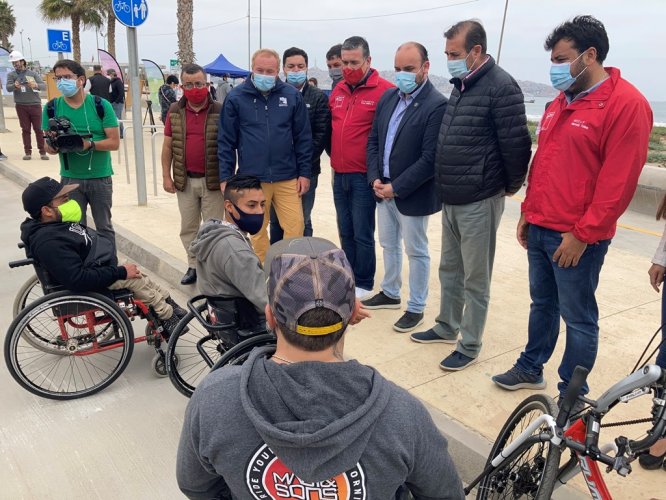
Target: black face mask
250	223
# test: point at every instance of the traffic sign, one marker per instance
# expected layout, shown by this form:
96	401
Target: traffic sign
131	13
59	40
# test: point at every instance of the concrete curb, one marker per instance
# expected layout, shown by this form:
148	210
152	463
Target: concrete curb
468	449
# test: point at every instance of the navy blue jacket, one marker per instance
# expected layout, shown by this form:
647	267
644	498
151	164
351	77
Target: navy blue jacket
412	158
271	135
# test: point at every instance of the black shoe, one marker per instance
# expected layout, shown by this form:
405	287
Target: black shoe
169	325
190	277
177	310
408	322
650	462
381	301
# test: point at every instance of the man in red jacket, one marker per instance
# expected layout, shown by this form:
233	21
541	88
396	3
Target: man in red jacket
353	104
593	142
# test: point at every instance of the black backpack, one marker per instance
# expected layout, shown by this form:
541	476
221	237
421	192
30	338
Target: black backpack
50	107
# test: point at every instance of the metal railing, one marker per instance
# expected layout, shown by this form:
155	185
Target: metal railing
122	152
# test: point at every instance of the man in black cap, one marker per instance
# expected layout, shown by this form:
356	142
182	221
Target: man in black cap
79	259
302	422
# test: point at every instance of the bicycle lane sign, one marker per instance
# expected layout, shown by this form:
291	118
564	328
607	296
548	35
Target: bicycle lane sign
59	40
131	13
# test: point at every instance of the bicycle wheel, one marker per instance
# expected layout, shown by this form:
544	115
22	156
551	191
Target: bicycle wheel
532	473
184	363
238	354
30	291
78	345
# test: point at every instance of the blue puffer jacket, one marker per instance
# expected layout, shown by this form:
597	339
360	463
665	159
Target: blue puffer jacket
271	135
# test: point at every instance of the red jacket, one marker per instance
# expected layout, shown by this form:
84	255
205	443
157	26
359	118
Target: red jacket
589	157
351	120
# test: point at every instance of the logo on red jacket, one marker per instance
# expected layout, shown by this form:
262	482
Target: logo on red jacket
269	479
339	100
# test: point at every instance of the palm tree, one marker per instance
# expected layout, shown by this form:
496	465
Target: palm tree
185	15
7	23
84	14
110	29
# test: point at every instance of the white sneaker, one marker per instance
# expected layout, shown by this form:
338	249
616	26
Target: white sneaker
362	293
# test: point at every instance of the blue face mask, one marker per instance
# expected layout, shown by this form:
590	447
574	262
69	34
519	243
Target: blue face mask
458	67
250	223
68	88
264	83
560	75
406	81
296	78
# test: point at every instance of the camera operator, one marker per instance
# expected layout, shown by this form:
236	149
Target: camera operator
82	129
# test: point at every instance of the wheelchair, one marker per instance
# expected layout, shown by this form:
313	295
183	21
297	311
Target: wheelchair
66	345
215	332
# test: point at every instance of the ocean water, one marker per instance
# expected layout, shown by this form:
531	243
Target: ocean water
535	109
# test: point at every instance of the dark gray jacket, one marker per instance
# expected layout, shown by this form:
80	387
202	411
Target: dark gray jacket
484	146
412	157
24	95
324	430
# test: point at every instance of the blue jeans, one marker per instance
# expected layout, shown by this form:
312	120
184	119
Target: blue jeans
308	200
98	193
566	291
355	210
118	108
392	228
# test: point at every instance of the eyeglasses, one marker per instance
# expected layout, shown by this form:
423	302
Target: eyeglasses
65	77
198	85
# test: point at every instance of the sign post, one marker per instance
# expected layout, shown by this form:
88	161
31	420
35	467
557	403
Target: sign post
133	13
59	41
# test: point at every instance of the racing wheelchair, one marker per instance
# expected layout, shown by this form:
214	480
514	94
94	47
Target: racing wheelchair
66	345
214	333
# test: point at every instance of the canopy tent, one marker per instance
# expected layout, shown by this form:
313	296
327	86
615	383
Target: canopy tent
221	67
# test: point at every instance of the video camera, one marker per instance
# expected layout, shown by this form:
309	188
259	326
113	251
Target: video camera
61	139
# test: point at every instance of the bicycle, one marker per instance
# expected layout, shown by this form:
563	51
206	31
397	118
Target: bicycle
525	458
212	334
122	6
59	45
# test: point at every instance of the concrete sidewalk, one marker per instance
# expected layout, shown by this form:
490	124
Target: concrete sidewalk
467	405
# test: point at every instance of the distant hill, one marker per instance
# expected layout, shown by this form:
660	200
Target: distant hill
530	89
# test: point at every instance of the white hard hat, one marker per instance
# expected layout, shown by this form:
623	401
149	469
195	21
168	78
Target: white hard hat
15	56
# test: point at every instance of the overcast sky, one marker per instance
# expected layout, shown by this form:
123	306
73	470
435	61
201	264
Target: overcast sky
635	30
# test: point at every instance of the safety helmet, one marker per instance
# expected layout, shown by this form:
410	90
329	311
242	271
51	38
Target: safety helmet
15	56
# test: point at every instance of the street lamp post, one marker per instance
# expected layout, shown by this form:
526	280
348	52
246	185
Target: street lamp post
499	50
22	48
32	61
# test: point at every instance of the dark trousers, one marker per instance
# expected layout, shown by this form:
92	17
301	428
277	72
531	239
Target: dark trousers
308	199
556	291
355	209
30	116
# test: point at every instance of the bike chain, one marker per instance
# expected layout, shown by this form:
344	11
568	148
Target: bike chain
628	422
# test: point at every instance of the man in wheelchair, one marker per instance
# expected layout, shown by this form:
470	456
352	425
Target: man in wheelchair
227	267
78	258
298	421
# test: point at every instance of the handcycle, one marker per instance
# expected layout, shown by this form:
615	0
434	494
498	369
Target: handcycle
525	459
215	332
67	345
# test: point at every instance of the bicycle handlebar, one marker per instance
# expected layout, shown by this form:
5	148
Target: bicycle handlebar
573	391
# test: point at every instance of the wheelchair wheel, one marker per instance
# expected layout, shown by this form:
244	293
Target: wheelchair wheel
67	346
185	364
30	291
532	473
239	353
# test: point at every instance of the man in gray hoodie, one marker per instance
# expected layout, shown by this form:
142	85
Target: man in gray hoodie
301	422
226	264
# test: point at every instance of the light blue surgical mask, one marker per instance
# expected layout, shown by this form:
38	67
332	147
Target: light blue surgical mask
406	81
458	67
68	88
264	83
296	78
560	75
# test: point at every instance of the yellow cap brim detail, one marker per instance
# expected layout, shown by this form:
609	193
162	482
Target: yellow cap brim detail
318	330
